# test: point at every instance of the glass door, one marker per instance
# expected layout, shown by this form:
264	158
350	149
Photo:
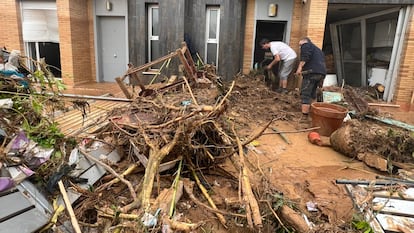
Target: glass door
350	43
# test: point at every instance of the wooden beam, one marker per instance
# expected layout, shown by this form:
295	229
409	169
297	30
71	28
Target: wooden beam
384	105
148	65
124	89
186	65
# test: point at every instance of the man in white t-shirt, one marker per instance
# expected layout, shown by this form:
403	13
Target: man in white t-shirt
284	54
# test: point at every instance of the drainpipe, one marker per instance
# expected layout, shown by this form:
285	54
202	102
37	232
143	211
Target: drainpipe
396	53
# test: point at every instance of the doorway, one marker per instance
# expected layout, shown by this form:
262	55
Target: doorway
112	52
272	30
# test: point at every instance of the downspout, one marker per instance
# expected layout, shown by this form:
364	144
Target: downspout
396	53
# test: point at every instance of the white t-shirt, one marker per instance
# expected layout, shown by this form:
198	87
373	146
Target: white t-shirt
283	50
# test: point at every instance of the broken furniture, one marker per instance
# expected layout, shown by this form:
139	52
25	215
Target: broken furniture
133	72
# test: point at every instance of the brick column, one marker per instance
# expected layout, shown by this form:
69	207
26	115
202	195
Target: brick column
75	42
248	46
11	29
313	18
404	87
296	32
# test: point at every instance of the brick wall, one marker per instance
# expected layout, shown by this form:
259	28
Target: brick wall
296	29
11	29
248	37
405	80
312	20
76	44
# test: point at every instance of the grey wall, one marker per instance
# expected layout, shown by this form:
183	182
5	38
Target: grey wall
171	27
119	8
232	21
188	16
284	13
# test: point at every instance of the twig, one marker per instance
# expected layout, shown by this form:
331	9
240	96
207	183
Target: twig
175	185
222	101
69	207
294	131
122	130
188	187
276	216
191	92
246	187
357	169
130	169
112	171
282	135
181	226
109	213
254	137
210	201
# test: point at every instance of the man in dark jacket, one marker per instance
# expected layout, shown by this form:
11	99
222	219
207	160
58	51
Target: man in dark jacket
313	69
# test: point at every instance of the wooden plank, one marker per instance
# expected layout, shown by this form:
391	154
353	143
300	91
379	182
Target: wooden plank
70	122
188	57
124	89
384	105
150	64
187	67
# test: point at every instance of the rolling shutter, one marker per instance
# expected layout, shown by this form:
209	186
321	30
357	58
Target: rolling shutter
40	22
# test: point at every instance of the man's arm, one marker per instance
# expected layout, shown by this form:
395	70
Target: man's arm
276	59
300	66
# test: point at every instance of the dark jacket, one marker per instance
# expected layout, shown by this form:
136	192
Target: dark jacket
313	57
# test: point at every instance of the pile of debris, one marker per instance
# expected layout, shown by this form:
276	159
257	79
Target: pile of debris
167	141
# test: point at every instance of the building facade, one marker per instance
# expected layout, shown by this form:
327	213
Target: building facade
94	40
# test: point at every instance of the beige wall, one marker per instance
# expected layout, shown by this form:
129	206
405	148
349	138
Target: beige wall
76	41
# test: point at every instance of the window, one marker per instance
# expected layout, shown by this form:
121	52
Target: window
153	32
47	50
41	33
212	35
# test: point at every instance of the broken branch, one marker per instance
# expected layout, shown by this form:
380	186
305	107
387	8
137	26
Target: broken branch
112	171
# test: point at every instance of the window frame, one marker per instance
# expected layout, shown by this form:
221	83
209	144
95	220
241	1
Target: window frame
212	40
151	37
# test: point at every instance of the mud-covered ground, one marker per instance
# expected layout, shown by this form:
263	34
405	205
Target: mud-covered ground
292	171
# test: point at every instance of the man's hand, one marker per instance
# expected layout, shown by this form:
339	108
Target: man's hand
299	71
268	67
